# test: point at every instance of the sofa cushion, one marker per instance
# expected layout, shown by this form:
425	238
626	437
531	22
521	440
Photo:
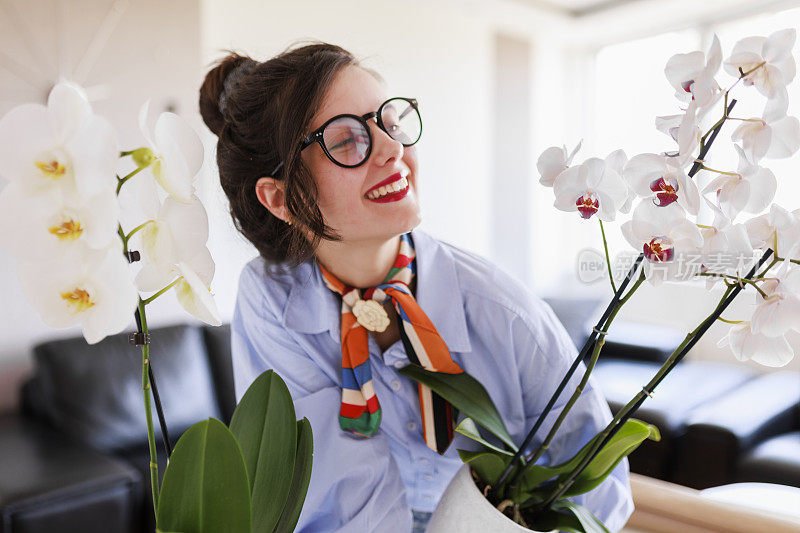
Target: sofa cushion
776	460
723	429
50	483
94	392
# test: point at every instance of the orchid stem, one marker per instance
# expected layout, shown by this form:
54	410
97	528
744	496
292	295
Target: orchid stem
588	345
729	321
121	181
704	167
746	119
589	367
608	259
127	237
162	291
151	440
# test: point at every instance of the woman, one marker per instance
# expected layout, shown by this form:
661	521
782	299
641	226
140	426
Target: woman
308	141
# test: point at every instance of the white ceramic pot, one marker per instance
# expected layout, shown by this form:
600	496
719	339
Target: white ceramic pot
463	509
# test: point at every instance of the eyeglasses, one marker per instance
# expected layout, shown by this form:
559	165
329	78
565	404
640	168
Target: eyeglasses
347	141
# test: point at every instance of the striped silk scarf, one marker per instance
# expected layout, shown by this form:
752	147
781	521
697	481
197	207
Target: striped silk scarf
360	412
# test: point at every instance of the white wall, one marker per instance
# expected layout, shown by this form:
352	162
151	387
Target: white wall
440	51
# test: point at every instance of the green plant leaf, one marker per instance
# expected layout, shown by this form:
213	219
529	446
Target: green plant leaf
205	487
264	424
488	465
627	439
535	475
468	428
300	479
632	433
467	395
590	523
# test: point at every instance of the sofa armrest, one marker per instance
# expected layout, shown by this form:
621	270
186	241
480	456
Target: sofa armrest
722	430
759	409
46	480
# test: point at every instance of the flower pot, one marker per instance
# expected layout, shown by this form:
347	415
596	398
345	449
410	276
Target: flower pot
463	509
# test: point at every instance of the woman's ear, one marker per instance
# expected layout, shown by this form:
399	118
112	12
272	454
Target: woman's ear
270	192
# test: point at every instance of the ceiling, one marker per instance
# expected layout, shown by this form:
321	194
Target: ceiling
576	8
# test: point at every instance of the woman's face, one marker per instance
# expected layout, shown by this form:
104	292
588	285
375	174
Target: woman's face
342	191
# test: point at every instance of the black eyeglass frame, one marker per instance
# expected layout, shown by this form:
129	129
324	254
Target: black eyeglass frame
317	136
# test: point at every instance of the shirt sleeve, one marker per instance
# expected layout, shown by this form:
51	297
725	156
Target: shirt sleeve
355	482
545	353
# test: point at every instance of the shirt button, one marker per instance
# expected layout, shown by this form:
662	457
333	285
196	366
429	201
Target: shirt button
424	462
428	497
429	477
396	385
411	426
399	364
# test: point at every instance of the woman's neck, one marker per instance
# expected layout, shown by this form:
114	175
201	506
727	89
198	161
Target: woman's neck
359	264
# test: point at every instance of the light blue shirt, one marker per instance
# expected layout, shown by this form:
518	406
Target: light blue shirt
497	331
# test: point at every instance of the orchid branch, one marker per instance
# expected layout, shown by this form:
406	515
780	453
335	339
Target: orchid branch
588	345
608	259
162	291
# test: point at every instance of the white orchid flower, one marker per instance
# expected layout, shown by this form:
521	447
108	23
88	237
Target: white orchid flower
44	226
654	176
194	294
692	75
176	234
93	288
768	60
616	161
178	153
726	247
61	146
750	189
778	229
774	136
779	311
553	162
667	238
590	188
746	345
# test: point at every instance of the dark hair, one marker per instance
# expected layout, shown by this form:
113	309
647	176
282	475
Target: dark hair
261	111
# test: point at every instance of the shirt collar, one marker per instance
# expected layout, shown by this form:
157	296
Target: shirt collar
313	308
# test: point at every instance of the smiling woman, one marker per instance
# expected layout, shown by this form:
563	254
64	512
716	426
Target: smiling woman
319	164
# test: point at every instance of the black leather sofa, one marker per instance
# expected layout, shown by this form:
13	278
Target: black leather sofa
74	459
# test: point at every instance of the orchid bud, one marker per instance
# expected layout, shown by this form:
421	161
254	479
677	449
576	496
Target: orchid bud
143	157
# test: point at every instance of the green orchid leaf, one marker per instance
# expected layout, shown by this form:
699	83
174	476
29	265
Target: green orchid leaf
205	487
487	464
468	428
300	479
264	424
632	433
467	395
590	523
536	475
627	439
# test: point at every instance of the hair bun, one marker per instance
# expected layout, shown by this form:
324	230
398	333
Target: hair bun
218	85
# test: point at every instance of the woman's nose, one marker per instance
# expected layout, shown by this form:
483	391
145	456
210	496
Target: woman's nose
386	148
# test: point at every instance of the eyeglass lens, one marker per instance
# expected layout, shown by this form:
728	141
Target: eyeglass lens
348	142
